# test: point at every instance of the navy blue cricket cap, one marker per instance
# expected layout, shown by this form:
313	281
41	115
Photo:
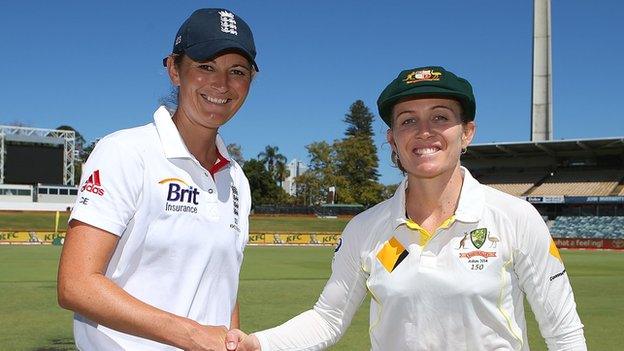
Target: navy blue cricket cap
209	32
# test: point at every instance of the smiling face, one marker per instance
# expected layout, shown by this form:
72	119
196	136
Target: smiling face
210	92
428	135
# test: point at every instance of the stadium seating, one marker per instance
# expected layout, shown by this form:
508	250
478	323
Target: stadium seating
516	183
568	181
591	227
580	183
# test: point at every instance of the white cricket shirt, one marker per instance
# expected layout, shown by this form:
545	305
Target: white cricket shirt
459	288
181	231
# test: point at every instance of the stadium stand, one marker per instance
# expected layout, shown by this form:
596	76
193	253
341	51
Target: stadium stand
515	182
603	227
579	183
576	185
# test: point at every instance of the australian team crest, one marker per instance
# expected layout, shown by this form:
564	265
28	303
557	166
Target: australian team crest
423	75
478	237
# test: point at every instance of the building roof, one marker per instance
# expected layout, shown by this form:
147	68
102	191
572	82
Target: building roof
553	148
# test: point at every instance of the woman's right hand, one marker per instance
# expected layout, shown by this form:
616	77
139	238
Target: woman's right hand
237	340
206	338
84	288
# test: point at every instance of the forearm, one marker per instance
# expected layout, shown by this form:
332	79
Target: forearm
307	331
570	341
235	320
322	326
102	301
84	289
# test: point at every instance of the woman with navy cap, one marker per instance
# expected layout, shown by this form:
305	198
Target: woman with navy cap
447	261
155	241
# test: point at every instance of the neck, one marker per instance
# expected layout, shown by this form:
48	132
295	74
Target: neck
433	199
199	140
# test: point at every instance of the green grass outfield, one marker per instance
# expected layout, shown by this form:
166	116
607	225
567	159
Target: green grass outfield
45	221
277	283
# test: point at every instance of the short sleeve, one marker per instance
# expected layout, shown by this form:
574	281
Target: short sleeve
110	187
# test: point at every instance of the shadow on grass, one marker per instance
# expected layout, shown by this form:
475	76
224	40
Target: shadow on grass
65	344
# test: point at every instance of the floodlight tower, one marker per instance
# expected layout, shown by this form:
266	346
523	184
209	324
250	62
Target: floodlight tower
541	107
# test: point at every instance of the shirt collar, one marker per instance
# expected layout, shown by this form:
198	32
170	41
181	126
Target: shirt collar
469	208
471	199
397	207
174	145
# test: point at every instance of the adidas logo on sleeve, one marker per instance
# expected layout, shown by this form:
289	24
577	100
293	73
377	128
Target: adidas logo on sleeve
93	184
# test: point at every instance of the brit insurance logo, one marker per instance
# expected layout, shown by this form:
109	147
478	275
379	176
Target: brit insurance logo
181	197
93	184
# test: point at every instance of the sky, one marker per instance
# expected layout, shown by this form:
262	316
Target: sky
97	66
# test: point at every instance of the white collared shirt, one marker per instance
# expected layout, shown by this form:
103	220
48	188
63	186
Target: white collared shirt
182	232
462	288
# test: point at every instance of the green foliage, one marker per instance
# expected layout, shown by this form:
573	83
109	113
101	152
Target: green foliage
281	172
359	120
88	149
274	162
388	191
357	160
349	164
313	185
262	184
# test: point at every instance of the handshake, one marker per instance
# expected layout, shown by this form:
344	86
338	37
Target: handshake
237	340
219	338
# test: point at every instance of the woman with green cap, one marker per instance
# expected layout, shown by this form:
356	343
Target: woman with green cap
448	261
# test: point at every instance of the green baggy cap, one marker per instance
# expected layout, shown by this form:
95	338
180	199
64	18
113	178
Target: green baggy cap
431	81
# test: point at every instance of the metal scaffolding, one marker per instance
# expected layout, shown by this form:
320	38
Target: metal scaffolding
67	138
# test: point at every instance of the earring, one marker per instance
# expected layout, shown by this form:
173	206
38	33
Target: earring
464	150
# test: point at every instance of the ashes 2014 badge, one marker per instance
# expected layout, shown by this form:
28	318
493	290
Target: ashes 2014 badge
475	257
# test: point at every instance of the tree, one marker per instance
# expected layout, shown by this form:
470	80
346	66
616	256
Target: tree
89	148
236	153
356	157
313	185
263	187
308	189
281	172
388	191
359	120
271	157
